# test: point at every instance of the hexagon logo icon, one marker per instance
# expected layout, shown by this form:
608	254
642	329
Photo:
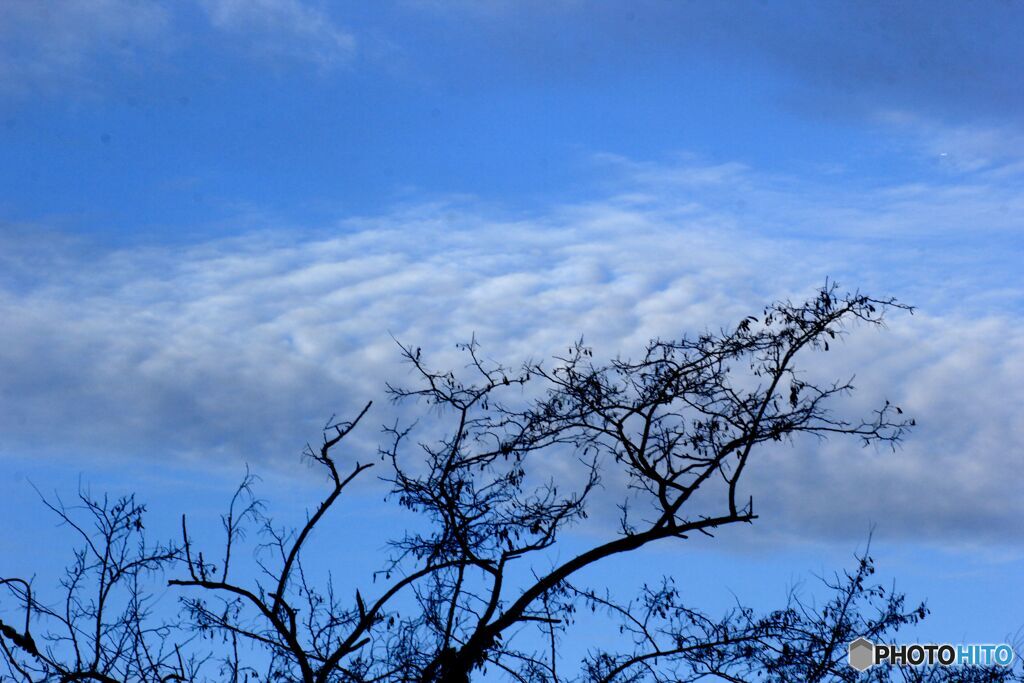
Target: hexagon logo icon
862	654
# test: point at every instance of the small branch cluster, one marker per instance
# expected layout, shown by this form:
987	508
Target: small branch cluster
101	629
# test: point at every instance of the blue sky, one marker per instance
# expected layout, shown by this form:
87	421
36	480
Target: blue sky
214	214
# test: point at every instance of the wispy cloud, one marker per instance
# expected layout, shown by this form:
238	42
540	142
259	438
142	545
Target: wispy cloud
995	151
841	60
56	44
284	29
79	44
954	480
239	349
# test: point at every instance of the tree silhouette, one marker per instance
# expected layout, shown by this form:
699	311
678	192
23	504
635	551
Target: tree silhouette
101	628
485	583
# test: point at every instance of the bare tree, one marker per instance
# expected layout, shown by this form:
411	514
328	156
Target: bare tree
679	426
100	627
309	634
685	418
511	459
668	640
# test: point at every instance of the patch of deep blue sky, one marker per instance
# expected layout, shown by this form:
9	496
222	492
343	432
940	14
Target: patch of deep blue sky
504	102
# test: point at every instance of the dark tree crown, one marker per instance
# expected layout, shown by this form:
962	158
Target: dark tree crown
509	460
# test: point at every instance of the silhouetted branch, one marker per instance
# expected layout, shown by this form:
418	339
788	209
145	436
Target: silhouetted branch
484	577
103	629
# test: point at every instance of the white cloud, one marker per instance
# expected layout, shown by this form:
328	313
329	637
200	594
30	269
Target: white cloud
284	28
55	44
996	152
75	45
956	479
239	349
